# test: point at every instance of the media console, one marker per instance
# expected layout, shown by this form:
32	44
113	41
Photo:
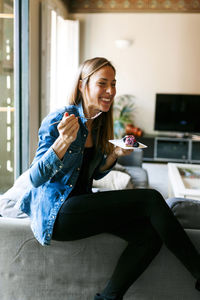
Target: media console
166	149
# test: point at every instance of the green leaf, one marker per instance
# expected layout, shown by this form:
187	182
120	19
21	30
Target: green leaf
124	110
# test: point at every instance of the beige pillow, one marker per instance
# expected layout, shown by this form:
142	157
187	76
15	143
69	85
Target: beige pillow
114	180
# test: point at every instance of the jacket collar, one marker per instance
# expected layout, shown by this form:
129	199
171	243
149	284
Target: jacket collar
81	112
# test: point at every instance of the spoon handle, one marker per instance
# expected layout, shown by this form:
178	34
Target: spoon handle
80	117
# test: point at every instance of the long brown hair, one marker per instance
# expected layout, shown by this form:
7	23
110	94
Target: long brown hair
104	123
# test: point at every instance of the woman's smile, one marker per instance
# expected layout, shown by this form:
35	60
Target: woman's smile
105	99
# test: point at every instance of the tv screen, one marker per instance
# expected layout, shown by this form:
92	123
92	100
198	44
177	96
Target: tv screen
177	112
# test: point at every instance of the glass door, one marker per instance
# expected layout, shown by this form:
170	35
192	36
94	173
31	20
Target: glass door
7	105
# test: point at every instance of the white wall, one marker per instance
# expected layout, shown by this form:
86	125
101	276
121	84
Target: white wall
164	56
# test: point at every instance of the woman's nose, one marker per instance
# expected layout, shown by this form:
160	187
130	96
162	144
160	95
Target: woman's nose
109	89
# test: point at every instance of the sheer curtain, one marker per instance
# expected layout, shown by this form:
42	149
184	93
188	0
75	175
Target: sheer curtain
59	59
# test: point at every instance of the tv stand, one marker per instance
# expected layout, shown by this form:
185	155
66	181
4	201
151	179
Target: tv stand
183	135
171	149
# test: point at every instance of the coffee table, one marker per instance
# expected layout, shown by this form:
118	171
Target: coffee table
184	180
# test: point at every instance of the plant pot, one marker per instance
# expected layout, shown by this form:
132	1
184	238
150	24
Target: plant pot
131	129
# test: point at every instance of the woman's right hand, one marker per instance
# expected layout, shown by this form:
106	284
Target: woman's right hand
68	128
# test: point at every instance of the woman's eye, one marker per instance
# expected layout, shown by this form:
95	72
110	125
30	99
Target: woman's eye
113	85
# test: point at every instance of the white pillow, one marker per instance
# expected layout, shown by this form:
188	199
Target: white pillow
10	198
114	180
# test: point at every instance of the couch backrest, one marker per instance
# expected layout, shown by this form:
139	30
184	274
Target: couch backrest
134	159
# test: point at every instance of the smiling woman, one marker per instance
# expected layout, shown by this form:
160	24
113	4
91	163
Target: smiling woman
95	88
60	200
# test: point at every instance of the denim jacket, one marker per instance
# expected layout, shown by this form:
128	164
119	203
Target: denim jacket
51	179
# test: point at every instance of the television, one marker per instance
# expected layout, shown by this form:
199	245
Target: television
177	113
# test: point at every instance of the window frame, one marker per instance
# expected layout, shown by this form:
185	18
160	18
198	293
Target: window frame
21	81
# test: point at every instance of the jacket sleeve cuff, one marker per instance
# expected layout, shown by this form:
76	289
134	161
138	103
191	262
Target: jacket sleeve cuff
44	169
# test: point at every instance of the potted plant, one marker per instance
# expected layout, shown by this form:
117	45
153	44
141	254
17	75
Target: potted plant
123	114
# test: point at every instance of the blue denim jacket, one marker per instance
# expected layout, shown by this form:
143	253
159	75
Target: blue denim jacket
52	179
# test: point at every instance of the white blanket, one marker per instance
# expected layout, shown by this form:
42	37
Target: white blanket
9	199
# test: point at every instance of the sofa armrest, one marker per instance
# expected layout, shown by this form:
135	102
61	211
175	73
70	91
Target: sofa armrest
187	211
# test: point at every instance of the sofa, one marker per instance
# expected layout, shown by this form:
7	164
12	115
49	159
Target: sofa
79	269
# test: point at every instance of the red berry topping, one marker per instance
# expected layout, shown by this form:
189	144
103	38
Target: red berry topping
129	140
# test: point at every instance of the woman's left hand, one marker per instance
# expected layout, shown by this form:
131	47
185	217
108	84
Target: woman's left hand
114	155
118	151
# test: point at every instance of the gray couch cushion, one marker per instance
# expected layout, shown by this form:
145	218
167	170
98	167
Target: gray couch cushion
187	211
139	176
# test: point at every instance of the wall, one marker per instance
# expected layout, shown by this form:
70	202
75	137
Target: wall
164	55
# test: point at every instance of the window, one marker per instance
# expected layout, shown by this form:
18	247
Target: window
14	100
7	105
60	57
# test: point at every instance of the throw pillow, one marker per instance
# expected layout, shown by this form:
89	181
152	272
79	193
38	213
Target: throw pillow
187	211
10	198
114	180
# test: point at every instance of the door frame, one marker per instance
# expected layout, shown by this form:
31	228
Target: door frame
21	80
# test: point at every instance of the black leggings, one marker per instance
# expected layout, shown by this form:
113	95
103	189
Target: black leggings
139	216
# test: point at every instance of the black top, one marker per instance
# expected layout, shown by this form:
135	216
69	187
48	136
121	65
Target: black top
84	183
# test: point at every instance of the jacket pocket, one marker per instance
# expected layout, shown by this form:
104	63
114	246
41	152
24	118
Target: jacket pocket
72	158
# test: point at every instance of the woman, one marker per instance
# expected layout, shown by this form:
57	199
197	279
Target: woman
73	149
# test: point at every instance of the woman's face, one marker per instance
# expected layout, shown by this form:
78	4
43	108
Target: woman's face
100	90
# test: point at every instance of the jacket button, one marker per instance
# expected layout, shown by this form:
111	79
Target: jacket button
71	185
78	169
60	167
61	199
70	151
